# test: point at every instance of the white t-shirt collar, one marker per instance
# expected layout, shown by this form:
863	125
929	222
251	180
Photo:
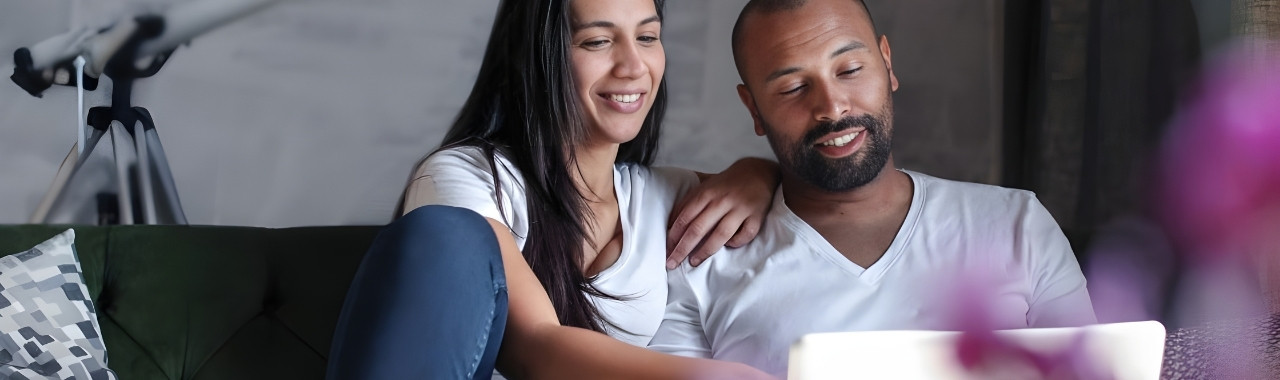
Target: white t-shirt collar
785	218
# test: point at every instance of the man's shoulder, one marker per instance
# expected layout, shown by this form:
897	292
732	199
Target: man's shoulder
730	262
726	259
953	191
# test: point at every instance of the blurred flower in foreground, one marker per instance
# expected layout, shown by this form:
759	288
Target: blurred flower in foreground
1219	201
983	354
1220	173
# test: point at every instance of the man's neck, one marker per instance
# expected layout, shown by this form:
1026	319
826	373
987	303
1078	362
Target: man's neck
884	193
861	223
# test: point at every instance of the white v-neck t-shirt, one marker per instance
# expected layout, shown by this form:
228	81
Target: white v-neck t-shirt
462	177
750	304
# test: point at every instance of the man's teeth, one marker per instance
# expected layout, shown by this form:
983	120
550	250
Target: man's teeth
842	140
624	98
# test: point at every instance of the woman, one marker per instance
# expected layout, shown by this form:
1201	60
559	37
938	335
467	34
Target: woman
551	151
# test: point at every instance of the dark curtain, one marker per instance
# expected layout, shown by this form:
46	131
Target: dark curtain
1089	87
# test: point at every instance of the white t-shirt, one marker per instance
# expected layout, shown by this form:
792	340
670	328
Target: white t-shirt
750	304
462	177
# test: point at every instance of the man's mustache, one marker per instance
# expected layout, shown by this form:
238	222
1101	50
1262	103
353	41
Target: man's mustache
866	121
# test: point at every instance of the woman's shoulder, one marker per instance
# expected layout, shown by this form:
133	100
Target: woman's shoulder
658	179
662	173
469	159
462	176
463	154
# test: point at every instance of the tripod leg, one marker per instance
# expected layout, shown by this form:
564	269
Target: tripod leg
92	142
167	206
144	175
59	182
70	167
119	138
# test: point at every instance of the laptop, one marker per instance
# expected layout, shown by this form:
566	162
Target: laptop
1122	351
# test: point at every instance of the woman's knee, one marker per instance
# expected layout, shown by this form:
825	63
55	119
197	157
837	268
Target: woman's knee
442	220
439	238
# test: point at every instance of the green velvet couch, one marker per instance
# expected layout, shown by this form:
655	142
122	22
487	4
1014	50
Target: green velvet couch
190	302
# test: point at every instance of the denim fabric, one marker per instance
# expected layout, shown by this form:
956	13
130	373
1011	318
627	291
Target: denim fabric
428	302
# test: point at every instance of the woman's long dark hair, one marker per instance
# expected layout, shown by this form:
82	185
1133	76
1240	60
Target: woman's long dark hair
525	105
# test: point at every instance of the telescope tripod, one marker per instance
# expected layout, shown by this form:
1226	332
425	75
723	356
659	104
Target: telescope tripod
144	191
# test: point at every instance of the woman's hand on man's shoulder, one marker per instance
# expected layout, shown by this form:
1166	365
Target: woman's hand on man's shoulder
725	209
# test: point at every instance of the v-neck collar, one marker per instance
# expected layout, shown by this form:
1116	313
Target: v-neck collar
820	246
622	191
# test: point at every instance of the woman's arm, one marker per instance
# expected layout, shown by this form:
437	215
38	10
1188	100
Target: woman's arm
536	346
726	209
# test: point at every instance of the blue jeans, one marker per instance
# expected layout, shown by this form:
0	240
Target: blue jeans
428	302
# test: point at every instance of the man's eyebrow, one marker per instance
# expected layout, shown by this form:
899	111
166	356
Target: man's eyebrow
610	24
781	73
855	45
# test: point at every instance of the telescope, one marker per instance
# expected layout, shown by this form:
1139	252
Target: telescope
144	191
155	35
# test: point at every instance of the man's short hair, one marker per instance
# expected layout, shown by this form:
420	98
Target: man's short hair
775	6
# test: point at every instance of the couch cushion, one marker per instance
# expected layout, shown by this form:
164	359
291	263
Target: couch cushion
48	325
193	302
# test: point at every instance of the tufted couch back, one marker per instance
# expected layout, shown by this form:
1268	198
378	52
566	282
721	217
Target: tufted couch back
183	302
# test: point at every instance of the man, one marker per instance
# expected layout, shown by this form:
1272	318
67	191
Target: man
853	243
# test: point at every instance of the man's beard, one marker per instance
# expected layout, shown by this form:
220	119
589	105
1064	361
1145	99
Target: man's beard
838	174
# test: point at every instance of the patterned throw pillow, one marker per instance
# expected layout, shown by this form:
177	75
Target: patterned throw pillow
48	326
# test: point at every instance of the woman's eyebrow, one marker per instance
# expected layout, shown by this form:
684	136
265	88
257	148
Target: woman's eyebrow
610	24
651	19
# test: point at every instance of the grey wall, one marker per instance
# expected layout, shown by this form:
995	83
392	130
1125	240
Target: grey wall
947	56
313	112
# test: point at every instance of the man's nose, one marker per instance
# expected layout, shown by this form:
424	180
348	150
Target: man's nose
830	103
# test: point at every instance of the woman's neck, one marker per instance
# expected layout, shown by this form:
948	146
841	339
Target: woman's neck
593	173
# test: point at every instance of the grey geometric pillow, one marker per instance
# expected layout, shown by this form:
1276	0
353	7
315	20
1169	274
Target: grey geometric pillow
48	326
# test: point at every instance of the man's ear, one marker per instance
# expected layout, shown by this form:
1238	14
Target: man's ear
887	54
745	95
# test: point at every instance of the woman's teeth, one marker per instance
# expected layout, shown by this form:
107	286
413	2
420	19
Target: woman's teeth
624	98
841	141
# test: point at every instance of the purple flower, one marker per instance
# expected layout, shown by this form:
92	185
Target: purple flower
1220	172
985	354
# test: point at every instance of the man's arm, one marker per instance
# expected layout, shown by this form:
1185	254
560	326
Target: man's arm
1059	297
681	331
